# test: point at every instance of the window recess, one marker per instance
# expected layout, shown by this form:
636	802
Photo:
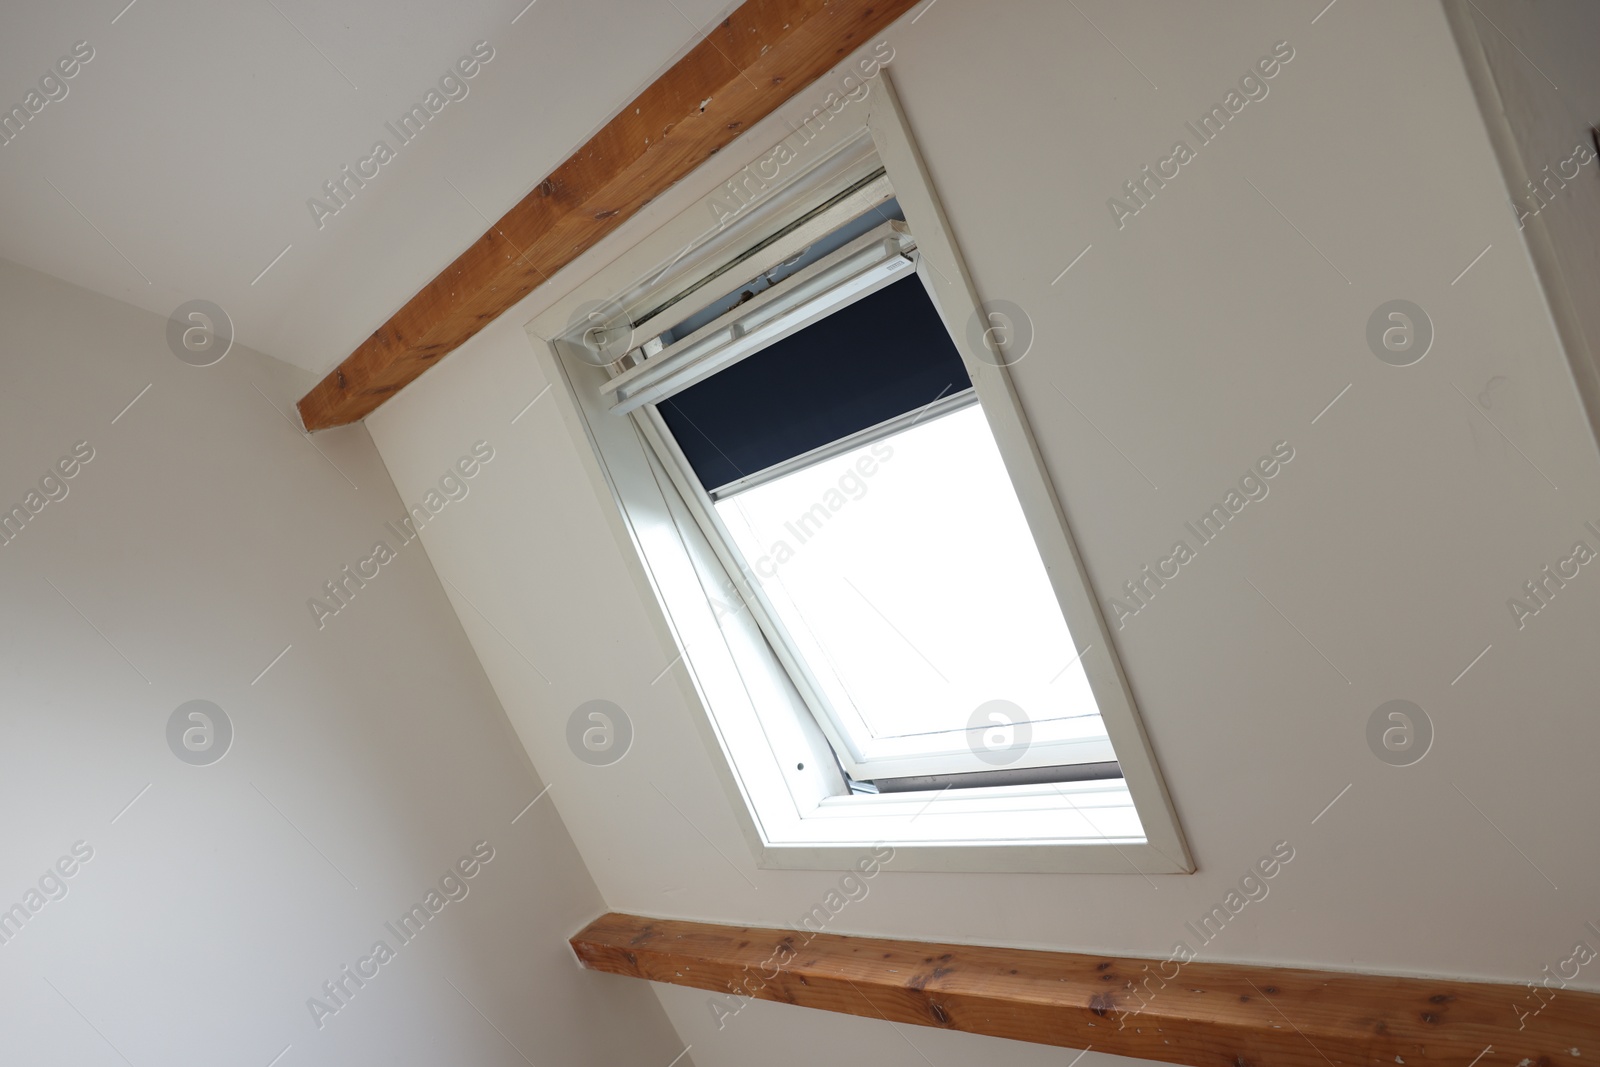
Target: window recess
845	523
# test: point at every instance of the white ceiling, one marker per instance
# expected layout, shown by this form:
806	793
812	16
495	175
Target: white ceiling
186	149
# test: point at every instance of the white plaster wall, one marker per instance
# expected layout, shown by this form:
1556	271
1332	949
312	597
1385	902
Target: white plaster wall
366	761
1539	88
1221	319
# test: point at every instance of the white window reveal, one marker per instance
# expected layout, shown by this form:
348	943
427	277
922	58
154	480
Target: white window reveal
853	545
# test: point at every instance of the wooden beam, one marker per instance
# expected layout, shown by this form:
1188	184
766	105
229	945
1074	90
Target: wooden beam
1204	1015
744	68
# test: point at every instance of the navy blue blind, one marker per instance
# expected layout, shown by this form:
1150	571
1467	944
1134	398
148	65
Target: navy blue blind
876	359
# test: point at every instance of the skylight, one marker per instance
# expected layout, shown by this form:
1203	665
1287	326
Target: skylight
870	587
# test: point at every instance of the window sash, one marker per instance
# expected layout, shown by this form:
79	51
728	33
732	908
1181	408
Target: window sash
798	302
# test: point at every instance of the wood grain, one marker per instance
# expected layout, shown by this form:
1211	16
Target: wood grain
740	72
1204	1015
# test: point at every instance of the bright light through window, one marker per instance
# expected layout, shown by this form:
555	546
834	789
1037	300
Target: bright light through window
906	575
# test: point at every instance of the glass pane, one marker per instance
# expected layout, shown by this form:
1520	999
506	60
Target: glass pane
907	577
785	400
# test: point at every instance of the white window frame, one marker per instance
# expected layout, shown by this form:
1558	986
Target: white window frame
753	715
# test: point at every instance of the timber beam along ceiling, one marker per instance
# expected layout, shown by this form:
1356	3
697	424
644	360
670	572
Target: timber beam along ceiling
739	73
1198	1014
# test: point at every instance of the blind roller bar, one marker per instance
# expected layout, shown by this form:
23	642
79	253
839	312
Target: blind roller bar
861	267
